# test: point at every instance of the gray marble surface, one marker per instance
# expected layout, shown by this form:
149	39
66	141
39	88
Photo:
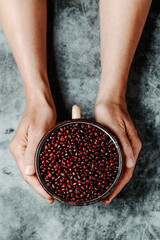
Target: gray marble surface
74	61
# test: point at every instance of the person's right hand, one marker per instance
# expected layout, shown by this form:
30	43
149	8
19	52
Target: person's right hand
38	117
115	117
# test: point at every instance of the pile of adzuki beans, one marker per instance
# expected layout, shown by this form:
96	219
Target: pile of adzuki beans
78	162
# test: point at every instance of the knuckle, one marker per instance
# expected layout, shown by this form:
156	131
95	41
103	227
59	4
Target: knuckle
140	144
137	138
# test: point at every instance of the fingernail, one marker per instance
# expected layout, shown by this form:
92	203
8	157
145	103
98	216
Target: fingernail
50	201
130	163
29	170
106	201
109	201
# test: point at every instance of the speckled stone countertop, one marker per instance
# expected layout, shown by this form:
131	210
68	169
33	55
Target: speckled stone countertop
74	63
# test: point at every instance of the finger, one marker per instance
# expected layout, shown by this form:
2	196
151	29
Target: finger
133	138
18	144
129	163
33	181
123	181
33	139
17	149
127	149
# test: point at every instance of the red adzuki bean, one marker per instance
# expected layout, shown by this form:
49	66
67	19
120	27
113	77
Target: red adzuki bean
79	162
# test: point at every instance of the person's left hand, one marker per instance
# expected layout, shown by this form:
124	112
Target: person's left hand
116	118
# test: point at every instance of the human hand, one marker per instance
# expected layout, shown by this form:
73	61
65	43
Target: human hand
115	117
38	117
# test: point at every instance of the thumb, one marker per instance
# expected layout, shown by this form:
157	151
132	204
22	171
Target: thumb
33	140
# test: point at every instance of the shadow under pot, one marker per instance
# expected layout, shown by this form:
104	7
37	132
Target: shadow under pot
79	161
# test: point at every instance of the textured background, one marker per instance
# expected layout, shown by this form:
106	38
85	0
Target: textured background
74	61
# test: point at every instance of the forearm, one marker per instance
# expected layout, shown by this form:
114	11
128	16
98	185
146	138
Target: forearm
121	25
24	24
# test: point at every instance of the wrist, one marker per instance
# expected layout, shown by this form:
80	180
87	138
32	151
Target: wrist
110	106
110	97
39	95
112	90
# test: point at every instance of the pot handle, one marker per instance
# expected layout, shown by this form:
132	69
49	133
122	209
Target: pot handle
76	112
